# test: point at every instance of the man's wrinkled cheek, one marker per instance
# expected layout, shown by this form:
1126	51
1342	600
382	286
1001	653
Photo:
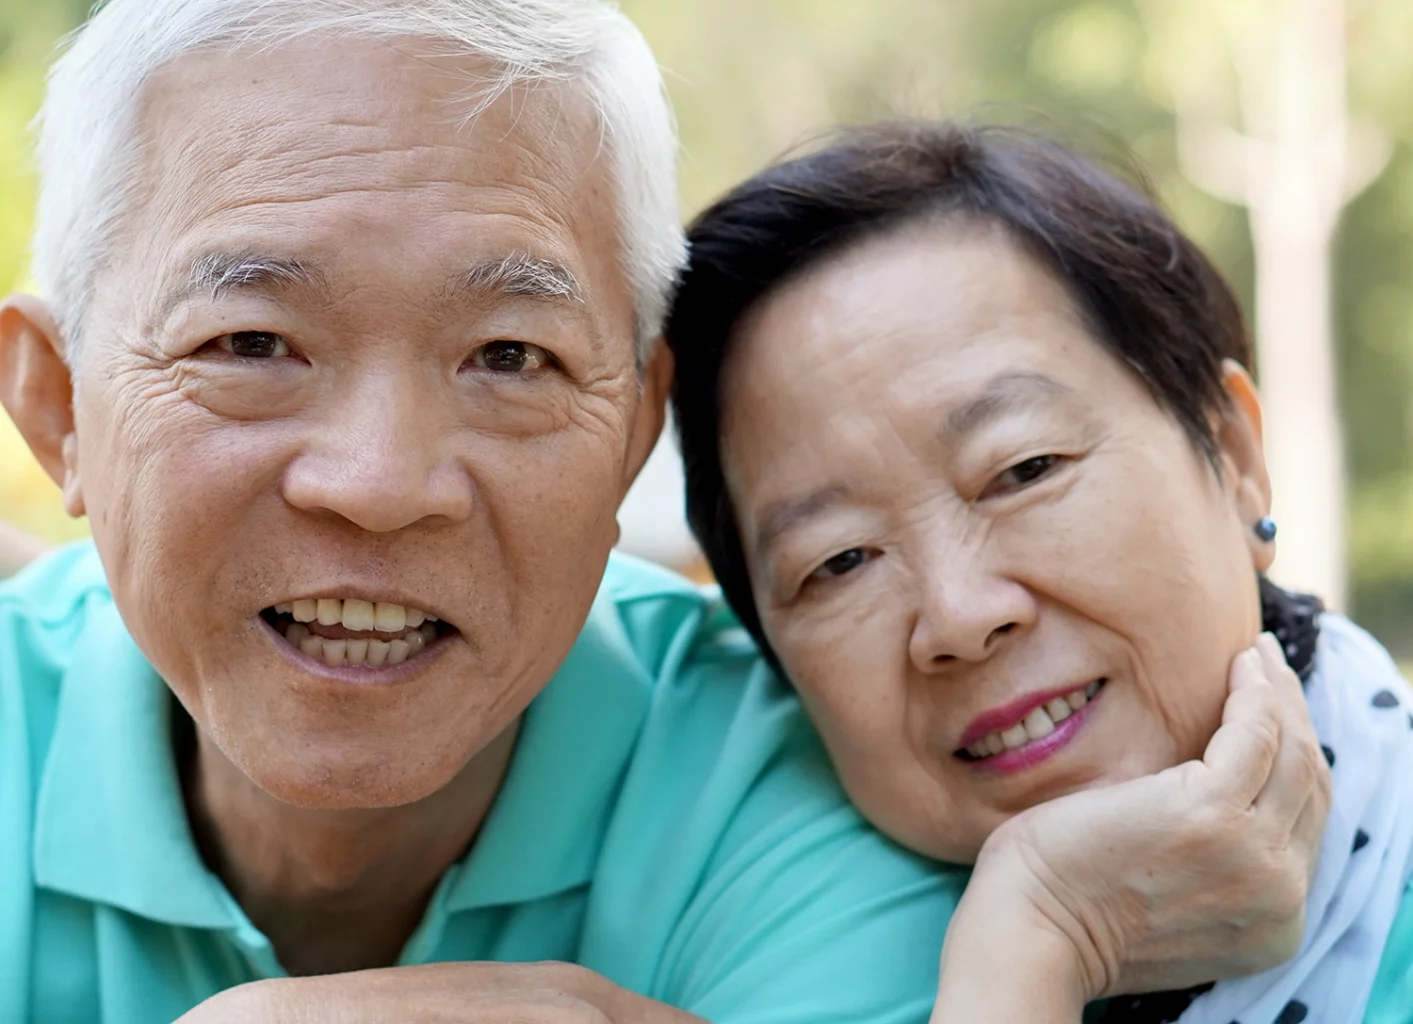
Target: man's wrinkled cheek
168	478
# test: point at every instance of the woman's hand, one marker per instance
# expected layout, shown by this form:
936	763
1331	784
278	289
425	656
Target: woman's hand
451	993
1197	873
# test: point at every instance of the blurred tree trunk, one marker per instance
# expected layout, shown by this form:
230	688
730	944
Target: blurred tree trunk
1292	160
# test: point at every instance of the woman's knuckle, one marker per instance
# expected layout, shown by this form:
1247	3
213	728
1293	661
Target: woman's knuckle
1266	735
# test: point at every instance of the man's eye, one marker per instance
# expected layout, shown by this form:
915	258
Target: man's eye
253	344
841	564
510	357
1023	473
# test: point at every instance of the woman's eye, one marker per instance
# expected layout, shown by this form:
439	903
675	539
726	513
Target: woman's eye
841	564
1027	472
253	344
510	357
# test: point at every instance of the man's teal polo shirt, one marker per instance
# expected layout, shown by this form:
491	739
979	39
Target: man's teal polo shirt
669	820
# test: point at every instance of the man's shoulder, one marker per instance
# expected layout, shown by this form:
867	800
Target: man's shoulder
721	725
51	592
682	633
736	879
43	608
43	613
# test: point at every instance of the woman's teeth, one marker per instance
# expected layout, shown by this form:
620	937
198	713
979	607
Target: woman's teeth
362	616
360	653
1037	725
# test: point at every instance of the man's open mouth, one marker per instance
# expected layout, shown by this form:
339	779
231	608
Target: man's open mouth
352	633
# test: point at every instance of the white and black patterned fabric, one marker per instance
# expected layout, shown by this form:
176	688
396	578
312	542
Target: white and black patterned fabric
1359	704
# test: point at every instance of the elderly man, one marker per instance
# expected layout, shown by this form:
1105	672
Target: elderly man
347	355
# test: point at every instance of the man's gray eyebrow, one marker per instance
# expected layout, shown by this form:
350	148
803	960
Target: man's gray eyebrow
1001	394
780	516
525	275
219	272
216	273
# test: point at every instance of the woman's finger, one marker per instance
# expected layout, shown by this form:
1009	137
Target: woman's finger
1309	829
1300	763
1243	750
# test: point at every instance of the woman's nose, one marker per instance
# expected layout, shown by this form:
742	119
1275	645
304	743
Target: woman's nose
382	460
964	612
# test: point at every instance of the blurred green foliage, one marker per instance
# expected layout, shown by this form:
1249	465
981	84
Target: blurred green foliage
751	78
28	30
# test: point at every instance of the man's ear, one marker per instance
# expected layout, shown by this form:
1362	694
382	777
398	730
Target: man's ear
1238	433
37	389
655	383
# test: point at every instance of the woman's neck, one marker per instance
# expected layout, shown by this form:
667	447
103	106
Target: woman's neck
335	890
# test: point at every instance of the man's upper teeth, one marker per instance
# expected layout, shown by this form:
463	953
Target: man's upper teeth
354	614
1038	724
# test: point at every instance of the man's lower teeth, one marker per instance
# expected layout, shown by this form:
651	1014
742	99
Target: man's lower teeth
360	653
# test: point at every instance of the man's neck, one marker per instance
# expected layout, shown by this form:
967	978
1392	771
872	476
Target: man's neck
335	890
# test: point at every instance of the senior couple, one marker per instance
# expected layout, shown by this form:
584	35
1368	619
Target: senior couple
354	331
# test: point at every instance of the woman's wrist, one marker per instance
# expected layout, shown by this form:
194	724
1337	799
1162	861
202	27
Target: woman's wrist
1005	960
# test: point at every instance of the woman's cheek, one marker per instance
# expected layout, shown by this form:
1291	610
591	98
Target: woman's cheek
846	652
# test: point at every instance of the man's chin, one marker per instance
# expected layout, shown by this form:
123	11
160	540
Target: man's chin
316	775
365	752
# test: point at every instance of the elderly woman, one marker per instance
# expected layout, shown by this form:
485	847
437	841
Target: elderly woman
972	446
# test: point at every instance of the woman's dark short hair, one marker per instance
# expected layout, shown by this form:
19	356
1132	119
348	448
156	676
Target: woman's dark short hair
1151	297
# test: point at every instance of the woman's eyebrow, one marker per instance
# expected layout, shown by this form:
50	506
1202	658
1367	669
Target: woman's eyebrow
783	515
1002	393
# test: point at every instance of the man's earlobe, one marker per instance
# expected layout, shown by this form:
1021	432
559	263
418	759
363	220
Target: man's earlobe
36	388
656	383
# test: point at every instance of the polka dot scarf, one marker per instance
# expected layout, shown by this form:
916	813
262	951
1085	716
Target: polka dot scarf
1361	709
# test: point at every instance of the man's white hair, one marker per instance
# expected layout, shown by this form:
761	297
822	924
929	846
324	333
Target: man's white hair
88	127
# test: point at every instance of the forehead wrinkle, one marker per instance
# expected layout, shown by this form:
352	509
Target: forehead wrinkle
253	166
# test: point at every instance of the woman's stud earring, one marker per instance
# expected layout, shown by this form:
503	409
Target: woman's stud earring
1265	529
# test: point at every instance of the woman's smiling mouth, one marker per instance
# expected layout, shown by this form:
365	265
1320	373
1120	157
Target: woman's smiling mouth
354	633
1026	732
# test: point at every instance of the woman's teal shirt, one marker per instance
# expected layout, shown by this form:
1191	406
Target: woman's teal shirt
1392	998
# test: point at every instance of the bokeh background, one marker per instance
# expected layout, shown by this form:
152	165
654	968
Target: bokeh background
1278	132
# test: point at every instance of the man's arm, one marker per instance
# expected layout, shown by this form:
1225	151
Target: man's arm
806	913
464	993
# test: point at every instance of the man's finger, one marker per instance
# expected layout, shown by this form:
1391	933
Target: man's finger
1243	750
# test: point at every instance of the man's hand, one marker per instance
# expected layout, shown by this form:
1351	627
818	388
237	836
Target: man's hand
453	993
1196	873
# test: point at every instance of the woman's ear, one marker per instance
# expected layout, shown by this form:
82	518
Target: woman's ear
1243	461
36	388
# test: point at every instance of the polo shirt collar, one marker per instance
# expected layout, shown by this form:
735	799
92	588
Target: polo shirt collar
544	832
111	824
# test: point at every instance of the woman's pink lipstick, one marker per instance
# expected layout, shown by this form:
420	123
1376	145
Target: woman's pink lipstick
1035	751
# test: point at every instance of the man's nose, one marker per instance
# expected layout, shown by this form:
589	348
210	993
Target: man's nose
964	610
382	459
